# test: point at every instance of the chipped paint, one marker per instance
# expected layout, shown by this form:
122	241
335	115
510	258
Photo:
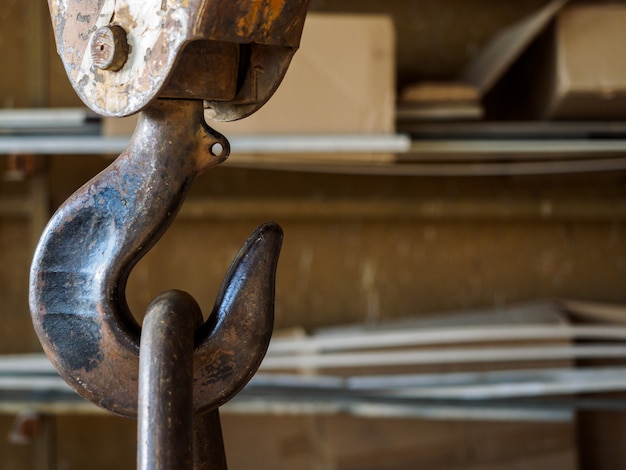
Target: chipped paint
122	92
157	31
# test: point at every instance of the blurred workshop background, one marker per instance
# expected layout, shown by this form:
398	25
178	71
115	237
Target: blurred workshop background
451	179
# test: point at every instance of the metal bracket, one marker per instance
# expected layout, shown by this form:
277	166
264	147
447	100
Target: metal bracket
120	55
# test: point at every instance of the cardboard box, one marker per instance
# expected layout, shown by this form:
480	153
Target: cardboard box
496	72
561	62
583	71
341	81
503	50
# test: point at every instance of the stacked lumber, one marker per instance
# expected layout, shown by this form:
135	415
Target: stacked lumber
515	363
498	390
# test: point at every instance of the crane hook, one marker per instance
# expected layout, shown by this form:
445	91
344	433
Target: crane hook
85	255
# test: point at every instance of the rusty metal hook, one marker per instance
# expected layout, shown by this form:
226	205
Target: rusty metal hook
81	265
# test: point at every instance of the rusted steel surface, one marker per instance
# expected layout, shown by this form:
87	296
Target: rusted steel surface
80	268
208	443
165	430
169	435
266	34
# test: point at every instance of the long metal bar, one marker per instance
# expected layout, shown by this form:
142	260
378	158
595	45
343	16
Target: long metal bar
46	119
485	385
286	356
416	395
339	144
62	145
442	356
368	340
309	352
437	159
286	144
374	408
29	118
98	145
165	430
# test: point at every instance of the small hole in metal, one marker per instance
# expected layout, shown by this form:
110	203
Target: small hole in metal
217	149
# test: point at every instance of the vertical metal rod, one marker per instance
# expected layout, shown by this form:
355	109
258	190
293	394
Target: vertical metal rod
165	430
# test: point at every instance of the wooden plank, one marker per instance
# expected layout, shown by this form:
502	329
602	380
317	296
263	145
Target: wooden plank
421	337
443	356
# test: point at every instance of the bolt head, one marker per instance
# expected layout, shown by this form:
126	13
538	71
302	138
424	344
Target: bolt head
109	48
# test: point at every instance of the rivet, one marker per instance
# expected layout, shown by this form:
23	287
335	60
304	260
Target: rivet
109	48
